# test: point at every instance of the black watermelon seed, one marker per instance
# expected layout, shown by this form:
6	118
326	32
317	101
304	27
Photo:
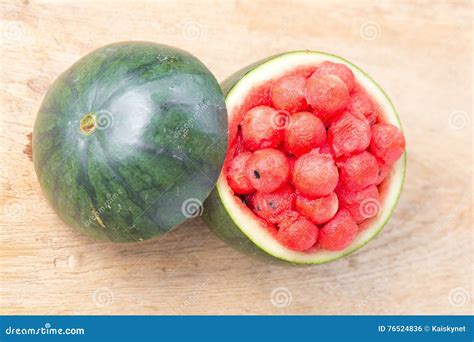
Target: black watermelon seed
257	175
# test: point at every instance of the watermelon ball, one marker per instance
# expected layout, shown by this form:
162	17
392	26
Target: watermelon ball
361	204
288	93
358	171
269	205
387	142
327	94
285	217
315	174
260	128
384	170
339	70
349	135
237	176
326	148
268	170
338	233
318	210
360	105
305	132
299	235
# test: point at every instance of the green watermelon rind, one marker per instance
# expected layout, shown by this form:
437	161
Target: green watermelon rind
224	223
166	142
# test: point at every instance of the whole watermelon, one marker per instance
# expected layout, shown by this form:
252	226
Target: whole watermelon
130	140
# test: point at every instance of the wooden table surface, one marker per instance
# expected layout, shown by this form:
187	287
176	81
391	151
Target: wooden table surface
421	53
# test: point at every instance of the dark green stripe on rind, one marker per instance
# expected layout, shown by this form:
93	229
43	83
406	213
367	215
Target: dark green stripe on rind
162	140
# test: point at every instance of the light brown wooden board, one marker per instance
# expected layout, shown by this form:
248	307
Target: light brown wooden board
420	52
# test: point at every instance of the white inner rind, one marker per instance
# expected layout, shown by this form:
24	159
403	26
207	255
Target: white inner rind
245	220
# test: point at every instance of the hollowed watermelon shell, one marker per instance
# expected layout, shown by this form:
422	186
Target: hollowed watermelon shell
130	140
232	220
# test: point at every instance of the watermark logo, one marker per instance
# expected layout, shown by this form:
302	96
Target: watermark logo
103	297
458	297
13	209
47	329
14	31
183	130
281	119
104	119
192	30
370	30
281	297
369	207
458	119
191	208
95	217
193	297
377	289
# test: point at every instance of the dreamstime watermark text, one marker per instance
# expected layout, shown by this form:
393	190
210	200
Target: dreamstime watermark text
47	329
95	216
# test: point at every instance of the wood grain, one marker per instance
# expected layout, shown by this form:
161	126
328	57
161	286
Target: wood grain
420	52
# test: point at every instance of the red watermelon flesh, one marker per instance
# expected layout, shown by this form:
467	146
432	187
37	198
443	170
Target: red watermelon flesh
349	134
304	133
358	171
318	210
288	93
327	94
316	179
268	170
339	70
237	176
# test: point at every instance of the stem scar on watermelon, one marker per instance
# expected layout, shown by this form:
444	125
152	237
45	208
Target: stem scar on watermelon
88	124
126	137
330	182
